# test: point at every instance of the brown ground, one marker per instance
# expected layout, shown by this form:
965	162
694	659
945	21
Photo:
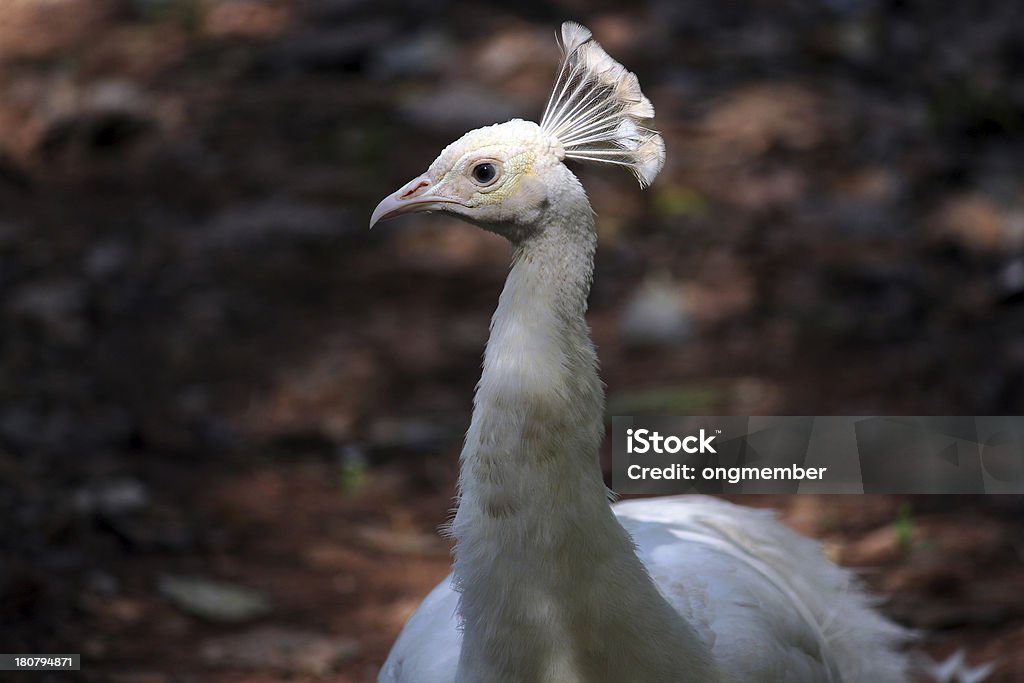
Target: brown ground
209	368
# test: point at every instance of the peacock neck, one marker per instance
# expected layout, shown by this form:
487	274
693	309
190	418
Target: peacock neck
551	587
538	411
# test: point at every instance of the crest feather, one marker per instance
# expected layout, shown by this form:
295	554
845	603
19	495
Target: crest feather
598	112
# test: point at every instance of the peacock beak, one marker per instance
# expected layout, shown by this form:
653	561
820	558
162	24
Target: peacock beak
416	195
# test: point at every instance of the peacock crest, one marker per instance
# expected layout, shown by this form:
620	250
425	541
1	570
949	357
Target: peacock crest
597	111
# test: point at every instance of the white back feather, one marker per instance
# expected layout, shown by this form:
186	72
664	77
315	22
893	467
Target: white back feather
597	111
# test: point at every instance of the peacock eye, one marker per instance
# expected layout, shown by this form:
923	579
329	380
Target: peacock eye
484	173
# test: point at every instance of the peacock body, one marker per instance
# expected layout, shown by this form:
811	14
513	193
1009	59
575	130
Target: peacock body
551	583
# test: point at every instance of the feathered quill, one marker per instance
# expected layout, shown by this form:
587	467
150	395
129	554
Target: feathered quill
597	111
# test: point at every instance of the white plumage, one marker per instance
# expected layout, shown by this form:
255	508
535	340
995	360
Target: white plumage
761	600
551	584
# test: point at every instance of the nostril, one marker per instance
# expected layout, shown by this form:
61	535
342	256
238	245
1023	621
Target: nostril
413	190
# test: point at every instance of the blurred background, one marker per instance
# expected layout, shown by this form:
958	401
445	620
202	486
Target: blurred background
230	415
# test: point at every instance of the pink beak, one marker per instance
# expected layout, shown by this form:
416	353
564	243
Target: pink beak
414	196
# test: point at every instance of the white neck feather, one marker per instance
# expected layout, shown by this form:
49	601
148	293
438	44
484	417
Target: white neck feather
552	589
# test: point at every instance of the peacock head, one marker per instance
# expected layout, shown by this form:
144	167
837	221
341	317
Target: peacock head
491	176
505	177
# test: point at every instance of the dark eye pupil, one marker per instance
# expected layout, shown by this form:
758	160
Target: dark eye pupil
484	173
